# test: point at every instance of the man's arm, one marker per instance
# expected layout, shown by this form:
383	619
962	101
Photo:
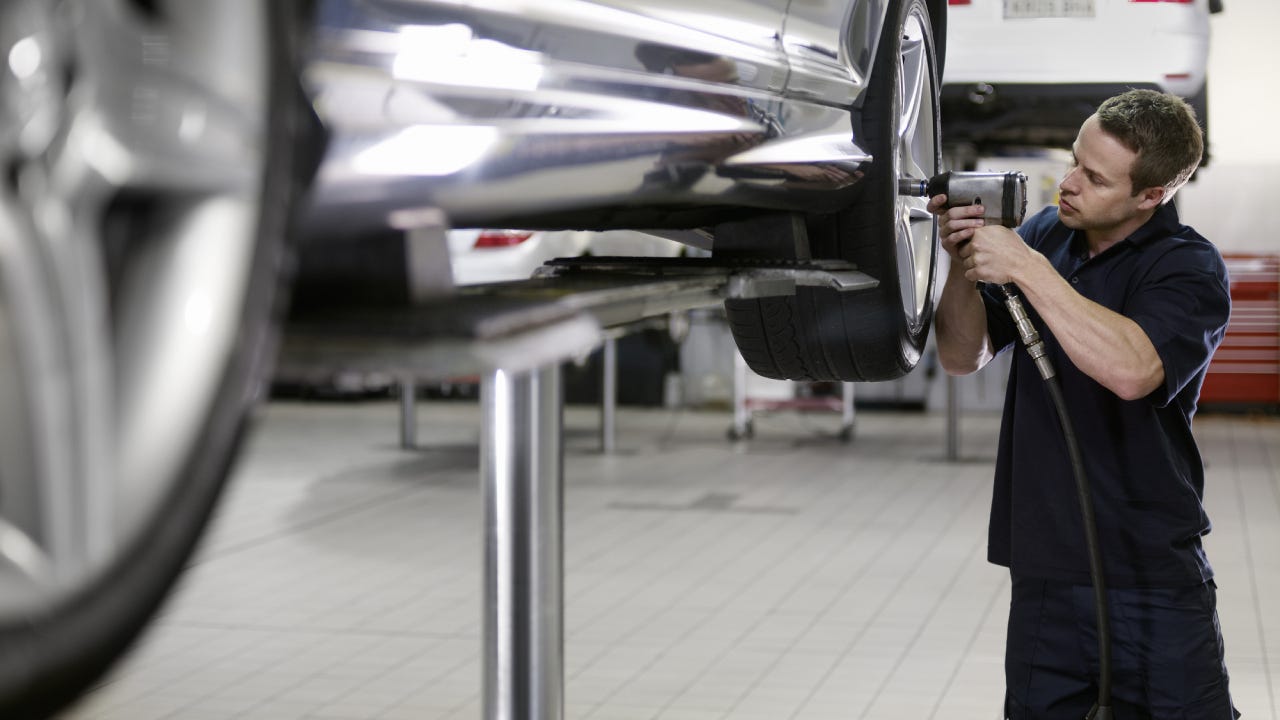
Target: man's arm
1105	345
961	324
961	317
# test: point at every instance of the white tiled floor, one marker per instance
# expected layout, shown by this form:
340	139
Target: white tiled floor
791	577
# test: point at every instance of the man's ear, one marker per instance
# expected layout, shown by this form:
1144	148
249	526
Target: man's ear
1150	198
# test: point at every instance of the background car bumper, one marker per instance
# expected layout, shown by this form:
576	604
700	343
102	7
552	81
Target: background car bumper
1023	113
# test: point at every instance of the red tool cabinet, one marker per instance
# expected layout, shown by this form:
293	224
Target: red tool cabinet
1246	368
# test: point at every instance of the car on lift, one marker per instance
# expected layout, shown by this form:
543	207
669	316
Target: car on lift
167	165
1026	73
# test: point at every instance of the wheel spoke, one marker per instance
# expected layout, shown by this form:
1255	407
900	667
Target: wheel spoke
916	158
52	351
52	368
907	270
914	84
916	120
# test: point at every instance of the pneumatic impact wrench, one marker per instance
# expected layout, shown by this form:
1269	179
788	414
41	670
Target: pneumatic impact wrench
1005	193
1003	196
1004	199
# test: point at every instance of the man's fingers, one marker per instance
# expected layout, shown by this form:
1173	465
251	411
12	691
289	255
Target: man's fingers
956	237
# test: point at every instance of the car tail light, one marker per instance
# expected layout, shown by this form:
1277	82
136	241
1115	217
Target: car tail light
501	238
959	2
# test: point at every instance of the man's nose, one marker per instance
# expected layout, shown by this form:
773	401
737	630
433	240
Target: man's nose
1068	184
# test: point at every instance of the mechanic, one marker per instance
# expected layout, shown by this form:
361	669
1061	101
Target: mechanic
1131	304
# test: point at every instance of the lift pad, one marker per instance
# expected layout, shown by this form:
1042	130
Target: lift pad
558	315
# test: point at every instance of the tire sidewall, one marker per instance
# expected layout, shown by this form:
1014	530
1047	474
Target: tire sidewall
871	222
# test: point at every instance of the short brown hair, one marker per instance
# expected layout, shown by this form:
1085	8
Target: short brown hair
1162	130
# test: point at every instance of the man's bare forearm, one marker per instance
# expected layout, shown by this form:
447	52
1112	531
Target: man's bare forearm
961	324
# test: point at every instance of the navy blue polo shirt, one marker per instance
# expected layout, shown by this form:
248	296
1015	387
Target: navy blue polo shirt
1143	465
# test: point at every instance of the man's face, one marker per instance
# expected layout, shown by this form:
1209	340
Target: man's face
1096	193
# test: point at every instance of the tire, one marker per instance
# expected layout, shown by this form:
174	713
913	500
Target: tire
144	206
879	334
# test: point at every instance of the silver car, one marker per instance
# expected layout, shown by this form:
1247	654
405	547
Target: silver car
165	164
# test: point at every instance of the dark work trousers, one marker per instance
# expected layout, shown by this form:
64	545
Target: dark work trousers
1166	653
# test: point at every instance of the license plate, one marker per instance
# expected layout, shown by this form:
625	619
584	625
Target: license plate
1048	8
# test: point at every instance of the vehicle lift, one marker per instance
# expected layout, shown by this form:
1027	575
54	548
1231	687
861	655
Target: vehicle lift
515	336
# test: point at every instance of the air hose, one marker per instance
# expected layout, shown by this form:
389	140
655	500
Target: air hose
1035	347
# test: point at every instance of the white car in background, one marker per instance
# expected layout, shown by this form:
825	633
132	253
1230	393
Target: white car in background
1028	72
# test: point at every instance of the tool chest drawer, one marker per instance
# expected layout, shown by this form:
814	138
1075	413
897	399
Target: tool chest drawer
1246	368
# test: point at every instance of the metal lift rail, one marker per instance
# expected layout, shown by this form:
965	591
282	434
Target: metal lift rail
516	336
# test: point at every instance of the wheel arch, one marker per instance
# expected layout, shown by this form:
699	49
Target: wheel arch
866	23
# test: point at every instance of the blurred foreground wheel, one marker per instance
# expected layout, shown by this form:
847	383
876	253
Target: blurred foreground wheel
146	175
822	335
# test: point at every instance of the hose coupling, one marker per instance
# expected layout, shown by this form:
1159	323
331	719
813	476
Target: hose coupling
1030	337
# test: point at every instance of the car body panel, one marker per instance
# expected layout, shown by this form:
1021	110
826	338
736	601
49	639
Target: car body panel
578	114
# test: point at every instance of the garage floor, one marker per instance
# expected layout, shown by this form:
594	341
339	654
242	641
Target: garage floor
790	577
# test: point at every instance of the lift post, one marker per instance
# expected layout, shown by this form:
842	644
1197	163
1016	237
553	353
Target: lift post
516	336
522	472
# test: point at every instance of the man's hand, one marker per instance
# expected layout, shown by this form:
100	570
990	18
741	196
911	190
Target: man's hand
996	254
960	317
956	225
985	253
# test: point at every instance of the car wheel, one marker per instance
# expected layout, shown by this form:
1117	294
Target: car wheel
879	334
146	177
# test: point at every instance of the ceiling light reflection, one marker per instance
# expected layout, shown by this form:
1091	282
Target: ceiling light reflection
427	150
451	55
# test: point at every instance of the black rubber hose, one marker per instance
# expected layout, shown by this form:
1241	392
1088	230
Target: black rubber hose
1102	710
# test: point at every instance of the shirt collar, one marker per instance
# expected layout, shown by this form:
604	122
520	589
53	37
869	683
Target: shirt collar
1163	223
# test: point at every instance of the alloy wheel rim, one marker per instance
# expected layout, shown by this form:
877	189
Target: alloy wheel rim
131	144
915	158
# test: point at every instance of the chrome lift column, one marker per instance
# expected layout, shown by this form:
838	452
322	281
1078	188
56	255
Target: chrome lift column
522	477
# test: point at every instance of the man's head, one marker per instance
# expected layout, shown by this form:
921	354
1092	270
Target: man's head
1162	130
1129	158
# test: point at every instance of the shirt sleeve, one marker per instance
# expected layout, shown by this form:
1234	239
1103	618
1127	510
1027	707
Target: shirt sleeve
1183	304
1000	328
